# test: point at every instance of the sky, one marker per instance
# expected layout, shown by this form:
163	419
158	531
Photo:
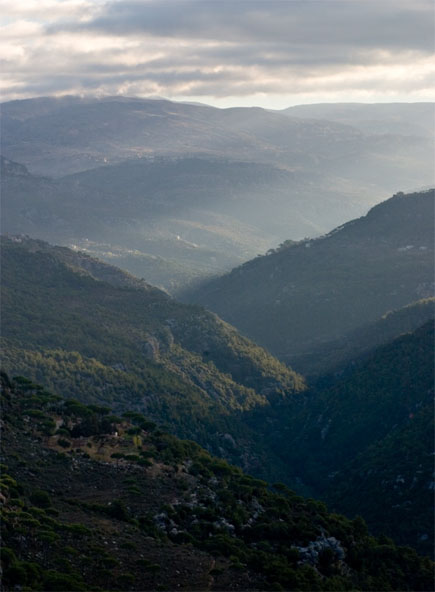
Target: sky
225	53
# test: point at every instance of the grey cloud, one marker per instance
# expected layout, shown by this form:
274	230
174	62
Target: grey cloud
199	83
364	23
222	48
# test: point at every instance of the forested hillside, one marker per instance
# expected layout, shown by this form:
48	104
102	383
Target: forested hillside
330	357
93	332
315	291
93	501
363	440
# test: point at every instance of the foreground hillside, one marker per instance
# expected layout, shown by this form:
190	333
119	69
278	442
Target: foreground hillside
316	291
98	502
89	330
363	440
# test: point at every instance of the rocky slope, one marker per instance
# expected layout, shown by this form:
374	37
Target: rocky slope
92	501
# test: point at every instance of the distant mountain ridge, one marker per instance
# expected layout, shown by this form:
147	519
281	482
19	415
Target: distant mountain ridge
171	220
57	136
416	119
116	128
175	192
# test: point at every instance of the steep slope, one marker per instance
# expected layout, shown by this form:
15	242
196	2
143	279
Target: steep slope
334	355
365	442
317	290
87	329
391	483
97	502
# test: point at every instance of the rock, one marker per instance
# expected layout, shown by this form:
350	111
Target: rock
151	348
310	553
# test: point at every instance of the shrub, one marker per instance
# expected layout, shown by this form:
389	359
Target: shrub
59	582
7	556
40	498
16	575
126	579
118	510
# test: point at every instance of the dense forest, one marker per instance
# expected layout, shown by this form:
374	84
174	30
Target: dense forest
363	440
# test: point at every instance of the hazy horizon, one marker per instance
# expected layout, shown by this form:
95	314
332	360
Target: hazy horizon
215	104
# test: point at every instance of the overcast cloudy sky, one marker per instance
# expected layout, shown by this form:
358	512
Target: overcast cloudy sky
239	52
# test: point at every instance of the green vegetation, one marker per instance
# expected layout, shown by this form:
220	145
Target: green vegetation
107	338
391	483
364	440
196	516
332	356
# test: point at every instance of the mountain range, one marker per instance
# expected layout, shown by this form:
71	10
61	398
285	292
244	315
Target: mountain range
69	134
149	444
174	192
